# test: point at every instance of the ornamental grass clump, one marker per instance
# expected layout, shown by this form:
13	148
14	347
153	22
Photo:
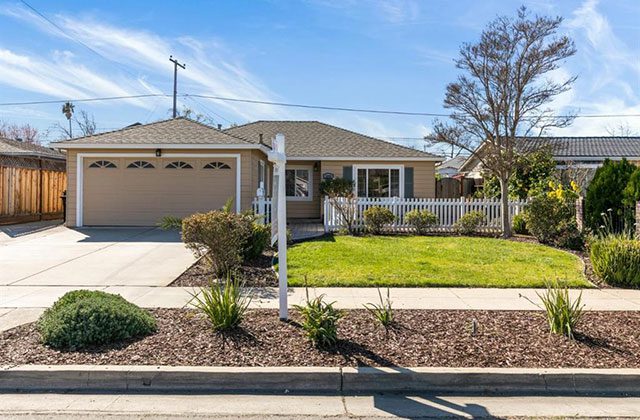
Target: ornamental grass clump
616	259
223	304
563	313
421	220
84	318
382	312
320	321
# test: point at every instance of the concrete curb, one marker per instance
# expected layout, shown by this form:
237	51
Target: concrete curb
319	379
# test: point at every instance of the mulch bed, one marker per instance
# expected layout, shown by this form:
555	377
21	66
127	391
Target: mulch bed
256	273
421	338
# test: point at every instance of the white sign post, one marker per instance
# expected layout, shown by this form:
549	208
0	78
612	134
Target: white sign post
279	218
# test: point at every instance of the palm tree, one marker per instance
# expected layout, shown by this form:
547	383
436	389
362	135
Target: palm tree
67	110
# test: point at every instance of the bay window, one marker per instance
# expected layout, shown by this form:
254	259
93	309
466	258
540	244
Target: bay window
298	184
377	182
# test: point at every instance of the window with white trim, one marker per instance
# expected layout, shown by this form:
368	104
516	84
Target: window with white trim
378	182
140	164
179	165
298	183
103	164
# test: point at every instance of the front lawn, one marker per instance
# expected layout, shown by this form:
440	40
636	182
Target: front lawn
429	261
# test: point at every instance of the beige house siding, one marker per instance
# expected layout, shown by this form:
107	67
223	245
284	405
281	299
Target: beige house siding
305	209
424	174
246	184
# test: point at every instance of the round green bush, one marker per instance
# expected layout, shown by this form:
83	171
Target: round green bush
519	224
616	260
83	318
422	220
605	193
470	222
376	217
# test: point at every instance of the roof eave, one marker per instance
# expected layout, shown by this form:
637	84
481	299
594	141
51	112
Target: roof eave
369	158
248	146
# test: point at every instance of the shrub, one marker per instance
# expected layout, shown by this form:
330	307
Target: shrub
563	314
220	236
519	224
422	220
616	259
342	197
170	223
83	318
258	241
606	191
383	312
469	222
223	304
376	217
320	321
551	220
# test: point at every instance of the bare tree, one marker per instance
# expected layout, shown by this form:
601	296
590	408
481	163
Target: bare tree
621	130
503	93
83	120
24	132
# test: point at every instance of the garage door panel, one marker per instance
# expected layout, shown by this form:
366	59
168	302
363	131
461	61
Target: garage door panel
141	196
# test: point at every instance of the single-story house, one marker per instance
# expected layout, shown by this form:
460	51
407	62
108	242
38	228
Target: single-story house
451	167
584	154
136	175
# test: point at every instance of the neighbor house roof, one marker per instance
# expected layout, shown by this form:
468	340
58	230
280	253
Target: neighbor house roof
178	131
583	147
454	163
316	140
18	148
575	148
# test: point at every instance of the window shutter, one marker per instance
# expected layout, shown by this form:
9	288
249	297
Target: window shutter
347	173
408	182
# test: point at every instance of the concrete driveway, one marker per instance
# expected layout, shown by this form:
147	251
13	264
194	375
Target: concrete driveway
58	256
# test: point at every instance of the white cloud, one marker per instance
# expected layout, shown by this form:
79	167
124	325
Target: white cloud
210	69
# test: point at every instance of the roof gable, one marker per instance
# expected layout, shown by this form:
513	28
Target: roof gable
316	140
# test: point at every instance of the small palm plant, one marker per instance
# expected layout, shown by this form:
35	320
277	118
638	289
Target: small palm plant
223	304
320	321
383	312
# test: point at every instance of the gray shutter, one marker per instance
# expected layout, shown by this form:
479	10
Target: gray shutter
408	182
347	173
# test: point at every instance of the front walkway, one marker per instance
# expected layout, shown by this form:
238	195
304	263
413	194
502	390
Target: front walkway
21	304
305	229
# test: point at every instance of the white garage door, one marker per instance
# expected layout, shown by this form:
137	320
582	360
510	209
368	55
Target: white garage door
139	191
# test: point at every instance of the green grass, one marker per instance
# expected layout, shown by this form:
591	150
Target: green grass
429	261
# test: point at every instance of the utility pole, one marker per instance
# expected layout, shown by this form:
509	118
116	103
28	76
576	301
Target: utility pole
175	82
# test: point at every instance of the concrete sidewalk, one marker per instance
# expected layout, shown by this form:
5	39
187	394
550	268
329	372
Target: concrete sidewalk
253	406
21	304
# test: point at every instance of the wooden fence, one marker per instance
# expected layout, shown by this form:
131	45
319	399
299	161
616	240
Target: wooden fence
447	210
30	189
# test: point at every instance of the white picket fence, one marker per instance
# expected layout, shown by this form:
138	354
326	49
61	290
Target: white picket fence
262	207
448	211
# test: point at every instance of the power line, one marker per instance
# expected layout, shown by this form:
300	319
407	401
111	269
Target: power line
106	98
284	104
64	32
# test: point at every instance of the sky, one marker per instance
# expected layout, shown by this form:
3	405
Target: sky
374	54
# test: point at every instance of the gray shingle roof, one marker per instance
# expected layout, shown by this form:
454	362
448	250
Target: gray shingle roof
174	131
17	148
313	139
454	163
584	147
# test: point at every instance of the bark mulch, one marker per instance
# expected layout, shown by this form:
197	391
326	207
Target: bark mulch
256	273
420	338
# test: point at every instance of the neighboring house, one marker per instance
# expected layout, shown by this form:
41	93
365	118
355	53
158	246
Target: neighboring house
450	168
578	154
32	179
138	174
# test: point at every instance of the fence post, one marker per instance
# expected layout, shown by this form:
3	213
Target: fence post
462	206
638	220
325	214
580	213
